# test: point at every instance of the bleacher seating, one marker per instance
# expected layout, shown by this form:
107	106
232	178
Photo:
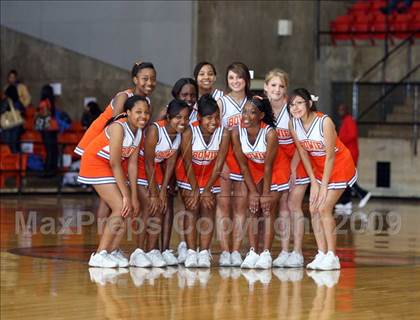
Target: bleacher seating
10	165
365	21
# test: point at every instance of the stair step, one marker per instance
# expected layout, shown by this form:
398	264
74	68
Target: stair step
397	132
401	117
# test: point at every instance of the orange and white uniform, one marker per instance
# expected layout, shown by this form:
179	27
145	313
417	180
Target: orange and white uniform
95	167
344	172
164	149
287	148
203	159
231	115
256	155
98	125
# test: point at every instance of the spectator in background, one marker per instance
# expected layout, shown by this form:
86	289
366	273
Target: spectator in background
399	6
23	93
92	111
46	123
348	134
11	136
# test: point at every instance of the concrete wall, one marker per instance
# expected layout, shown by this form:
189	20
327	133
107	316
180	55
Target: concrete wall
404	166
39	62
116	32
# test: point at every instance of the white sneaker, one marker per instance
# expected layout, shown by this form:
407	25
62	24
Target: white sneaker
102	260
365	200
224	259
318	258
138	275
182	252
156	258
264	276
339	206
203	259
169	258
120	258
265	261
235	259
191	261
295	260
250	259
330	262
281	259
139	259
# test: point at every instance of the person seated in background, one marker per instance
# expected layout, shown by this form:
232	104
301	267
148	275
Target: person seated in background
348	134
23	93
92	111
11	136
399	6
47	124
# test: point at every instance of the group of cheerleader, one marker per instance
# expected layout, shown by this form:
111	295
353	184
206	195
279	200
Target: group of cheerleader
239	162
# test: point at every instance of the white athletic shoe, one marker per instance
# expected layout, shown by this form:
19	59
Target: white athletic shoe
281	259
191	261
365	200
139	259
182	252
224	259
203	259
295	260
138	275
250	259
120	258
156	258
235	259
265	261
102	260
318	258
330	262
169	258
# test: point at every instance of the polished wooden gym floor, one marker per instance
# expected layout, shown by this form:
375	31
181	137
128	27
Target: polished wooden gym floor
44	271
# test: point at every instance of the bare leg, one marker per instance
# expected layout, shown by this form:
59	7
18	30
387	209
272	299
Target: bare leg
327	218
206	227
115	224
102	213
240	211
143	217
167	223
190	226
285	223
269	218
223	222
295	200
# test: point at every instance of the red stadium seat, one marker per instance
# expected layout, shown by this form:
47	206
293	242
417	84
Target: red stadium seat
361	6
341	24
401	26
11	164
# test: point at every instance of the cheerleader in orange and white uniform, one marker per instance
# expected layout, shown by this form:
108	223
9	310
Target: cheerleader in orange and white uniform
102	167
156	166
238	80
290	204
144	78
330	167
204	148
255	144
205	75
